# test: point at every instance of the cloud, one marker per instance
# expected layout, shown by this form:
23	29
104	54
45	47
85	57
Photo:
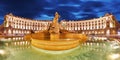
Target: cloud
70	5
22	8
44	17
48	8
68	9
76	13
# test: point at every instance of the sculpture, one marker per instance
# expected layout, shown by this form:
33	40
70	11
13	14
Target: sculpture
55	39
54	27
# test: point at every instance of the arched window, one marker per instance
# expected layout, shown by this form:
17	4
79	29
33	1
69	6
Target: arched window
9	31
108	32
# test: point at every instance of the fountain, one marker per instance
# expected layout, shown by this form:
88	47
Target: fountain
55	38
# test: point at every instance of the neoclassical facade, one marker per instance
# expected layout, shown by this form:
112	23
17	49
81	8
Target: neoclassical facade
106	25
18	26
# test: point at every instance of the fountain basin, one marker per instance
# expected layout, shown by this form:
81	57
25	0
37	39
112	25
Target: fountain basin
53	38
61	44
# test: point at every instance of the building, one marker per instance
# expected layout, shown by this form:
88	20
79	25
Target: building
18	26
106	25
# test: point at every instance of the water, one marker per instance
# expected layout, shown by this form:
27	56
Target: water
22	50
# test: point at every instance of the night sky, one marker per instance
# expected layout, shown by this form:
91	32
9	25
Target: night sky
68	9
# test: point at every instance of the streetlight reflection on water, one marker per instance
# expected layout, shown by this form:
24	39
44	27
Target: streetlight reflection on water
93	49
114	44
114	57
2	52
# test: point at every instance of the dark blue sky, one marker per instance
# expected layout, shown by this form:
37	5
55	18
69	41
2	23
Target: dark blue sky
68	9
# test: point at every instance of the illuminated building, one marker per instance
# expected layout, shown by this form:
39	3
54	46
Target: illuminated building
105	25
18	26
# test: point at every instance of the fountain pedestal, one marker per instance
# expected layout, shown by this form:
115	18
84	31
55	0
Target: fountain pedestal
54	37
